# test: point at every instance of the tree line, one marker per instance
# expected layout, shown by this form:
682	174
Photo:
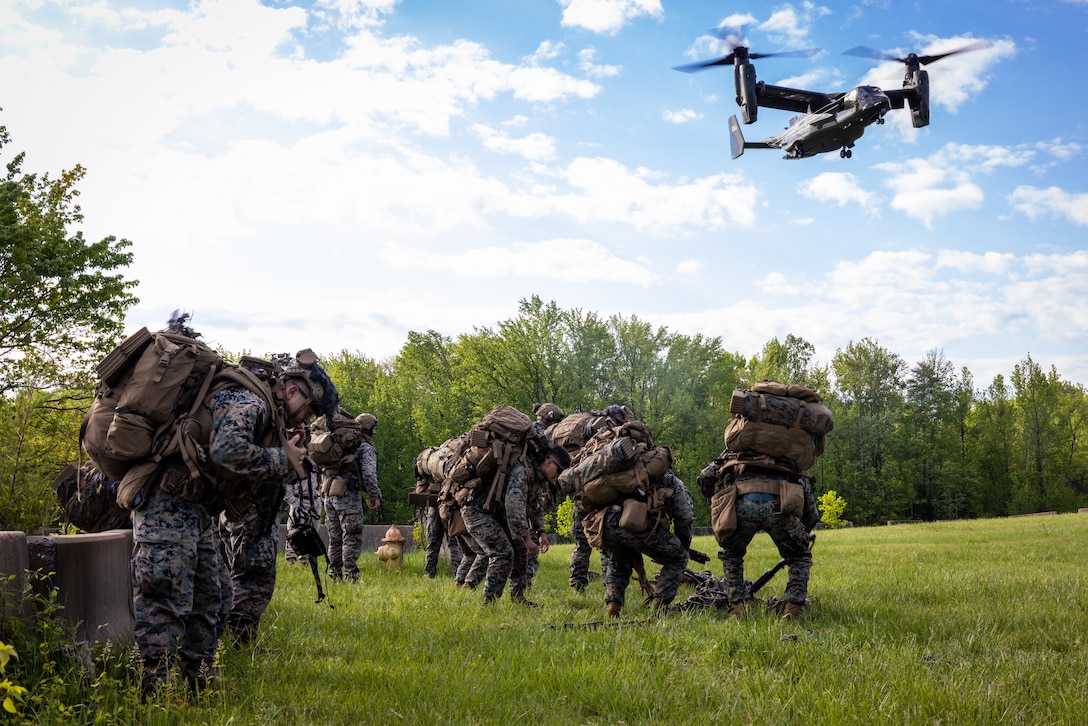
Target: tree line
911	441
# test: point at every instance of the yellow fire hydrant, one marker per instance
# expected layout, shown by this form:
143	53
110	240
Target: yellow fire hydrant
392	550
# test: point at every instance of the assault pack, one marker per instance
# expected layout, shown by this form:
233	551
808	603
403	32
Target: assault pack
432	467
776	428
501	439
335	447
788	424
619	467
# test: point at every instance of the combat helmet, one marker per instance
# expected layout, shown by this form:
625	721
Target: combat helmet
549	413
324	399
368	421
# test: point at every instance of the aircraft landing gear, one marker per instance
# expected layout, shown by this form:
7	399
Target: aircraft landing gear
845	153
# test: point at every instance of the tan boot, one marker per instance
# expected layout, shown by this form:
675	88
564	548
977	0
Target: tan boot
613	609
792	611
740	610
520	599
489	600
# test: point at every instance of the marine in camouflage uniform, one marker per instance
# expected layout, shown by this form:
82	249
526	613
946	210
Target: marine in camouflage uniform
668	548
180	591
503	535
434	531
344	514
760	512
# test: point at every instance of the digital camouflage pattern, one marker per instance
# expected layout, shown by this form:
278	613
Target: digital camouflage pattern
344	515
500	534
239	422
434	530
668	548
178	588
760	513
473	567
251	547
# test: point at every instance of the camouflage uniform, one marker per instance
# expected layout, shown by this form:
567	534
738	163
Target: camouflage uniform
669	549
180	589
579	557
177	590
251	547
344	514
473	566
250	544
500	534
434	528
758	512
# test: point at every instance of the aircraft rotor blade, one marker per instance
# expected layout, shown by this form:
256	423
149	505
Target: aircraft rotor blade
725	60
980	45
787	54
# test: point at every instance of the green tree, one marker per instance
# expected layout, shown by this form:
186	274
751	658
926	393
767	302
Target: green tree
868	386
61	299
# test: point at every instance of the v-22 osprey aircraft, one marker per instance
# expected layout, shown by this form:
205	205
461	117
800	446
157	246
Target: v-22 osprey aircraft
828	121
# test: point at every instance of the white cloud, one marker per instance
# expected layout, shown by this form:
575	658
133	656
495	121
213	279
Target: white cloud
536	146
607	16
943	182
587	62
604	190
839	188
1035	202
1063	151
546	51
790	25
578	261
682	116
991	263
686	267
911	301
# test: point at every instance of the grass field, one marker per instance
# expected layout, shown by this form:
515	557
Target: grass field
972	622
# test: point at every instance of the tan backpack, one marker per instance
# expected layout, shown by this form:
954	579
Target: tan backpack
503	437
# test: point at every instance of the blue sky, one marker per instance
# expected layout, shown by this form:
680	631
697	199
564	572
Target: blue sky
335	174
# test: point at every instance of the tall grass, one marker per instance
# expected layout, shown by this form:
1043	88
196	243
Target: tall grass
973	622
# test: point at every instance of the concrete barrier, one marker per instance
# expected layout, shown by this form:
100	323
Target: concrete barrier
91	575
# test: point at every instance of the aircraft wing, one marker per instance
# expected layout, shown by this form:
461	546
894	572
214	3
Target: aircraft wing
901	96
793	99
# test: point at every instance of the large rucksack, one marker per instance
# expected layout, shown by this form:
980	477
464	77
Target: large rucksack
786	423
502	438
577	428
333	449
149	406
432	468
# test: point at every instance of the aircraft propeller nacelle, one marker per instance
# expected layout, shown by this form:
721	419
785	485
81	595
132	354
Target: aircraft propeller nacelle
745	76
919	106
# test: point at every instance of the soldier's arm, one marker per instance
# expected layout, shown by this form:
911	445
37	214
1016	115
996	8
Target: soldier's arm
236	422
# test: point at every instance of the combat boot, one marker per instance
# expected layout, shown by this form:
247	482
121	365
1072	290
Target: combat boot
489	600
520	599
792	611
740	610
613	609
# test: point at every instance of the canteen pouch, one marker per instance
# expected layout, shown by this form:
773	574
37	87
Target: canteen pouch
791	498
338	486
723	513
634	516
135	486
